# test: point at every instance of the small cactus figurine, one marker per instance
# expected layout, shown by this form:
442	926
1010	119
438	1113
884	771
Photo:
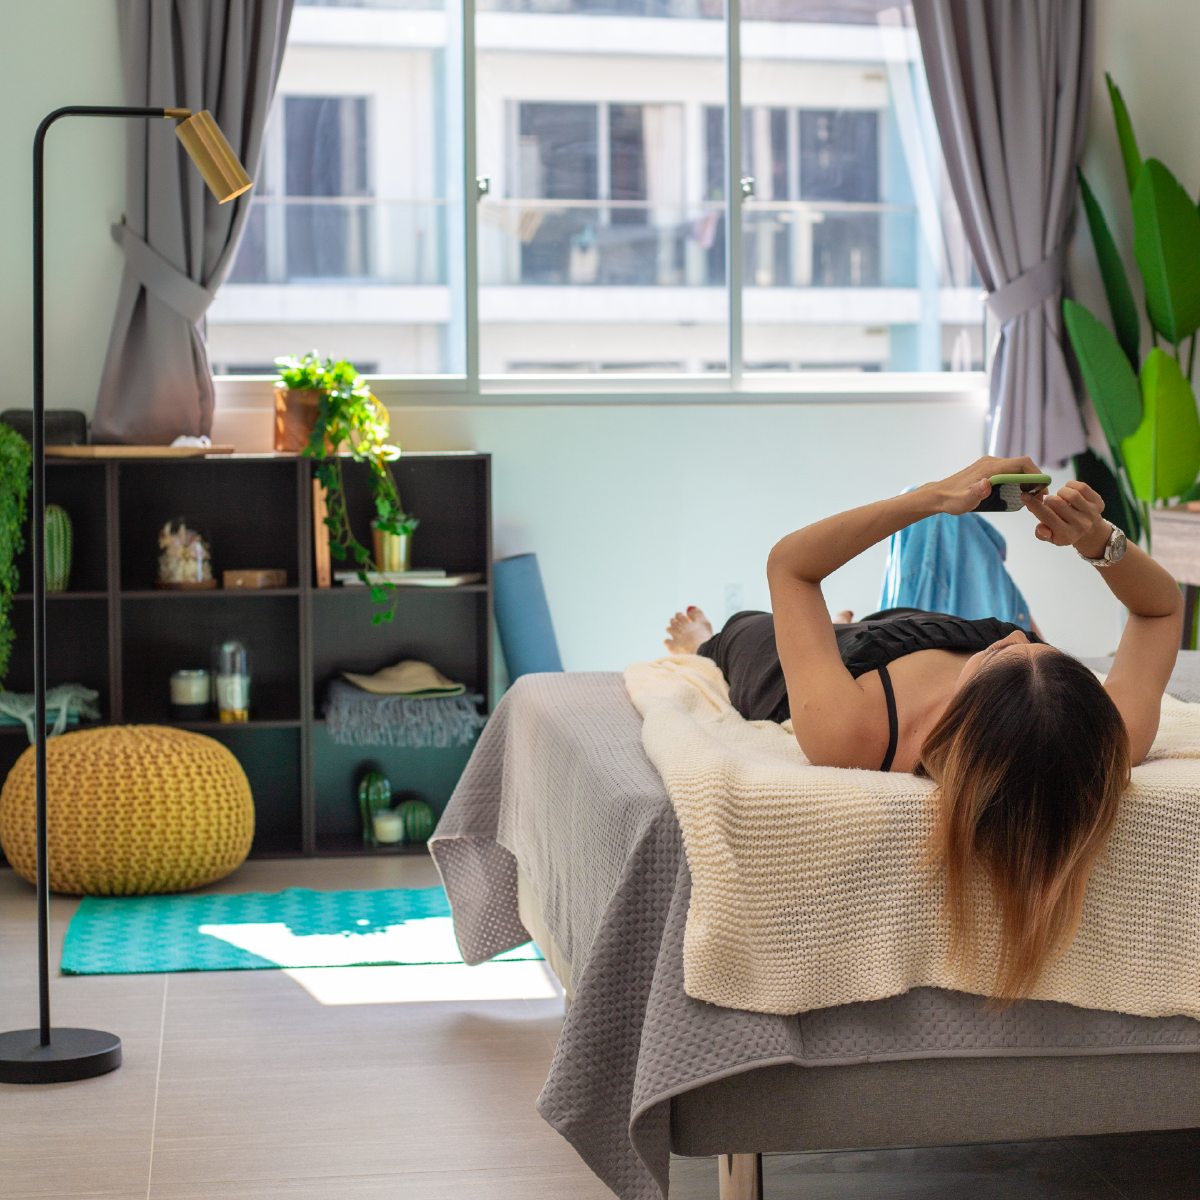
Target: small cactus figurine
59	546
374	794
418	820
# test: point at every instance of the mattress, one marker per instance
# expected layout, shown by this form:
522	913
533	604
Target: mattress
559	790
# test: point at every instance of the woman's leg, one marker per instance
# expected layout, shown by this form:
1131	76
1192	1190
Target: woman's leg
745	652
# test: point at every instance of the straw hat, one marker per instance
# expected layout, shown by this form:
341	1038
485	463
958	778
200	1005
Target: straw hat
408	678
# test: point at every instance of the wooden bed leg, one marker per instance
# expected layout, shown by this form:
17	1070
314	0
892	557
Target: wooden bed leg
741	1176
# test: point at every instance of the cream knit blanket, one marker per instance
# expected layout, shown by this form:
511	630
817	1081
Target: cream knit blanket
807	884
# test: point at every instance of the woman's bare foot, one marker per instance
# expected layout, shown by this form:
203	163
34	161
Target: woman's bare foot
845	617
688	632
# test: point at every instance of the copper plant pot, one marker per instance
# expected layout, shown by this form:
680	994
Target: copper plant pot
295	415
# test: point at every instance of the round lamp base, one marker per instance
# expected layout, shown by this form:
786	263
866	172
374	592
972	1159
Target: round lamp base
72	1054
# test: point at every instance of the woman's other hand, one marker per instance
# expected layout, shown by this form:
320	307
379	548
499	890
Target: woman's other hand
1071	518
961	492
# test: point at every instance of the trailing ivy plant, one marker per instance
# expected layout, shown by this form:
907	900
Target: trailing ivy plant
350	420
1146	407
15	479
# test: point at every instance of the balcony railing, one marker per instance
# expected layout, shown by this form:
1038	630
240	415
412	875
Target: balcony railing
641	243
578	243
342	239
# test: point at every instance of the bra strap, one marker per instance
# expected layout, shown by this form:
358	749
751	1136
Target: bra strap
893	722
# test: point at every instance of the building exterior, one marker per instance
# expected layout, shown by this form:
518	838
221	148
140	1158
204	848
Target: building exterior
601	242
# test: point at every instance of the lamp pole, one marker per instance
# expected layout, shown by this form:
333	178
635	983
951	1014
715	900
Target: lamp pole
45	1054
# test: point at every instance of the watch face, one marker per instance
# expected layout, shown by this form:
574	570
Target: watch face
1117	544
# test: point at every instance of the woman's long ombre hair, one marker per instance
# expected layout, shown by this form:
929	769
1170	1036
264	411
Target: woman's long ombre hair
1031	759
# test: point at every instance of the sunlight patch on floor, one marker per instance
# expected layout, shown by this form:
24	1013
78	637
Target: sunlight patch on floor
430	939
423	984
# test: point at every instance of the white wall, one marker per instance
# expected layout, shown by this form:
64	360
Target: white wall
633	511
60	52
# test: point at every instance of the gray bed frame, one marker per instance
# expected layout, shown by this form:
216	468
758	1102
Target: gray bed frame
928	1102
913	1102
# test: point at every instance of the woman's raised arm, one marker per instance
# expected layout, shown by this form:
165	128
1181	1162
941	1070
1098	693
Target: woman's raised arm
1146	656
828	709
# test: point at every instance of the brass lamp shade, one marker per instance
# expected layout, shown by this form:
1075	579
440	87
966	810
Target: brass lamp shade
214	157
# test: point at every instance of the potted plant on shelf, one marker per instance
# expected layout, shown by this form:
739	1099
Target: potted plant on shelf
15	480
1146	408
347	419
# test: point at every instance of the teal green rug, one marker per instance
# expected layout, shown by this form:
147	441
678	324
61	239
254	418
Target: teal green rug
257	930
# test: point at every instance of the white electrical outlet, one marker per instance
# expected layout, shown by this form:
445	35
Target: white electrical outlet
733	599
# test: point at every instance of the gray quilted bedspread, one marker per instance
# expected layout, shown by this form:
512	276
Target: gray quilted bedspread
559	783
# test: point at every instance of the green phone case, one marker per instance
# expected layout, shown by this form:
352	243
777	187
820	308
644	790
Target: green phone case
1005	495
1029	482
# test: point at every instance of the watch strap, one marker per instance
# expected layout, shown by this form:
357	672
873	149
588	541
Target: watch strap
1103	560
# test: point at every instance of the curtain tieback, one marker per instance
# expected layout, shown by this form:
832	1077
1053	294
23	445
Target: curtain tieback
1028	290
166	281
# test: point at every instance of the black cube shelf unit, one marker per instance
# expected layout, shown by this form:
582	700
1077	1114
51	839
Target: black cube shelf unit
115	632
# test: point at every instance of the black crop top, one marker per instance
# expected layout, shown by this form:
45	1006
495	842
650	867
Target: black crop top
883	637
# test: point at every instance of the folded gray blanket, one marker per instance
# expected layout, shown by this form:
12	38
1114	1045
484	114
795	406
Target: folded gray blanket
355	717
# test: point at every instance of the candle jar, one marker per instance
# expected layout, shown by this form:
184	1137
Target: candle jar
190	695
231	682
389	825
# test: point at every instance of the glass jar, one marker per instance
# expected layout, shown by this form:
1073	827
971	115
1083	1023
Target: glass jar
190	695
231	682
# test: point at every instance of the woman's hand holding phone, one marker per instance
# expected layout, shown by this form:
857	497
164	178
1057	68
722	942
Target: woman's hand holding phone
1071	518
966	489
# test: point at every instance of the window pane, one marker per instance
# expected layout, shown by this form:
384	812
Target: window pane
854	257
353	243
600	238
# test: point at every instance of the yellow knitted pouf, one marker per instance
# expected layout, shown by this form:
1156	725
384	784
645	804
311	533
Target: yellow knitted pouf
132	809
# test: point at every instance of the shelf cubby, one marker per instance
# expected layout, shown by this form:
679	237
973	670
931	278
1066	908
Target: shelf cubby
158	639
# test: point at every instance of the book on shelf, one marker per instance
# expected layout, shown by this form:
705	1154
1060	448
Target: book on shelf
408	578
392	576
321	555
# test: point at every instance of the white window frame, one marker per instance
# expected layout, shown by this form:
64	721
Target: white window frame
731	387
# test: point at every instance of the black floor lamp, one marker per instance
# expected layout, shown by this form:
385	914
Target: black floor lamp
46	1055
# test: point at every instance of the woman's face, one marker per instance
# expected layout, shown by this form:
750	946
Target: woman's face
1015	643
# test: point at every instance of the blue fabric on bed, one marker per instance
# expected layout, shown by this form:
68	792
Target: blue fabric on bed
953	565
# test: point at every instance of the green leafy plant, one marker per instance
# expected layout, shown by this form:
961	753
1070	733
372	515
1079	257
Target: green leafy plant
15	479
350	420
1147	408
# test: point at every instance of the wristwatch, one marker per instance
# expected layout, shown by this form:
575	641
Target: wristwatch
1114	549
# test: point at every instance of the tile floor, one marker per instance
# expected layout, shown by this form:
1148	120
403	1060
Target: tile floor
243	1086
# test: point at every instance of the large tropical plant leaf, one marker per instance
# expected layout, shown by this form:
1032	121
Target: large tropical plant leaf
1110	381
1091	469
1163	456
1116	283
1166	242
1129	147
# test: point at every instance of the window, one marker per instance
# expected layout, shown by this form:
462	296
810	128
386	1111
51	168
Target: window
350	242
600	140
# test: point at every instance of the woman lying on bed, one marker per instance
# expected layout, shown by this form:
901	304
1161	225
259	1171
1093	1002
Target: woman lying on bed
1030	752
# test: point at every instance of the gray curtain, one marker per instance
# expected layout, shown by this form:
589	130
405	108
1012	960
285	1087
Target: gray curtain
1010	82
223	55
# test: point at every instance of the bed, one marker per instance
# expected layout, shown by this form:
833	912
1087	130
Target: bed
561	829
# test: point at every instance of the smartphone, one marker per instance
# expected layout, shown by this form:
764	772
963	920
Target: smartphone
1005	495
